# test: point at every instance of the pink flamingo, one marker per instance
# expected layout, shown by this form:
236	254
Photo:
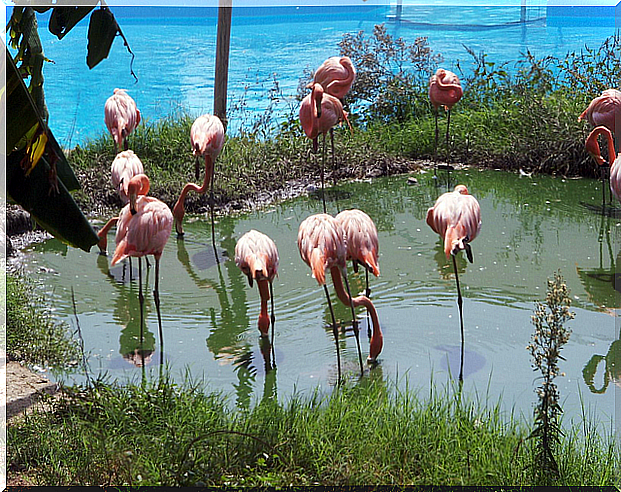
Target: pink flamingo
144	227
207	138
121	117
456	217
592	147
336	75
444	90
124	167
319	112
604	110
362	241
257	257
322	245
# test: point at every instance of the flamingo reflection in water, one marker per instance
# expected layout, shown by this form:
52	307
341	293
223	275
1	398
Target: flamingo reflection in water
456	217
144	227
322	245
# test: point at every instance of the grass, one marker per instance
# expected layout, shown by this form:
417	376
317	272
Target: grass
158	433
32	335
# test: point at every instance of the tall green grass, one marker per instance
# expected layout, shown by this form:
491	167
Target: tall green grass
32	335
158	433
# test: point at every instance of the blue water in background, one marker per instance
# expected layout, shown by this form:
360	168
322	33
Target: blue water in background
175	54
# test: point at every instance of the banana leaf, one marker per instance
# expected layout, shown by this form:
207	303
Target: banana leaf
56	212
24	121
63	19
32	153
102	30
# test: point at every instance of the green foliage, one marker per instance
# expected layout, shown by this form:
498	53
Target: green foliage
32	335
391	75
158	433
545	347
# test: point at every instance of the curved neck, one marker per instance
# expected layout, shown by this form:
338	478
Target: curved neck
206	181
592	145
376	336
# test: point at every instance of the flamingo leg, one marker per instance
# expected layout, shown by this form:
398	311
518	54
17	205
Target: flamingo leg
333	162
272	319
461	321
141	300
323	165
335	332
354	321
448	124
213	225
156	298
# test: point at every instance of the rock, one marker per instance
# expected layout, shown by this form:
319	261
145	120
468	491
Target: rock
412	180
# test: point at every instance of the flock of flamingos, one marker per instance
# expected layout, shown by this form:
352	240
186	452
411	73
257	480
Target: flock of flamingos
325	242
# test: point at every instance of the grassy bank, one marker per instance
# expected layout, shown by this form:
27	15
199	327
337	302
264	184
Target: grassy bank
527	121
163	434
33	336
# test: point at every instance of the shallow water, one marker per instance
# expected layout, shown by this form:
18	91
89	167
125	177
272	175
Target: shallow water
532	226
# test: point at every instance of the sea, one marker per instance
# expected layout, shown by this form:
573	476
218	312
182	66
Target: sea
171	67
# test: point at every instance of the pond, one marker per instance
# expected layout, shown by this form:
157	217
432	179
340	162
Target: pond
532	227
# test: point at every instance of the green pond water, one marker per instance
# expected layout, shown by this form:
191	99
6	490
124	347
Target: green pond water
532	226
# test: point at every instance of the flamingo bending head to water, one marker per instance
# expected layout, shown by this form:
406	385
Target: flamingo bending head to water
257	257
456	217
322	246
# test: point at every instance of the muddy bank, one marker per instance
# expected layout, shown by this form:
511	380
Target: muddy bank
98	200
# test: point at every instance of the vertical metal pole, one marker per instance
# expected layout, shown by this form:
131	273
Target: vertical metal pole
523	12
222	60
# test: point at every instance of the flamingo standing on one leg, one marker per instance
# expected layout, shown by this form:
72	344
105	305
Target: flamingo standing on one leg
604	110
336	75
124	167
143	229
444	90
456	217
257	256
362	241
322	245
319	112
121	117
592	147
207	138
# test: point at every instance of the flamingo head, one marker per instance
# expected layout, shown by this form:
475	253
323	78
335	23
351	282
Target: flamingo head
138	185
264	324
461	189
377	342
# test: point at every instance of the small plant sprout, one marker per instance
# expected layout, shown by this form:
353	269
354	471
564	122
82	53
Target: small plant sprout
545	347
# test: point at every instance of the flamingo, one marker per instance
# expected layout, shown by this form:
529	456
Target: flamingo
362	241
257	257
604	110
121	117
592	147
336	75
144	226
322	245
124	167
456	217
207	138
319	112
444	90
